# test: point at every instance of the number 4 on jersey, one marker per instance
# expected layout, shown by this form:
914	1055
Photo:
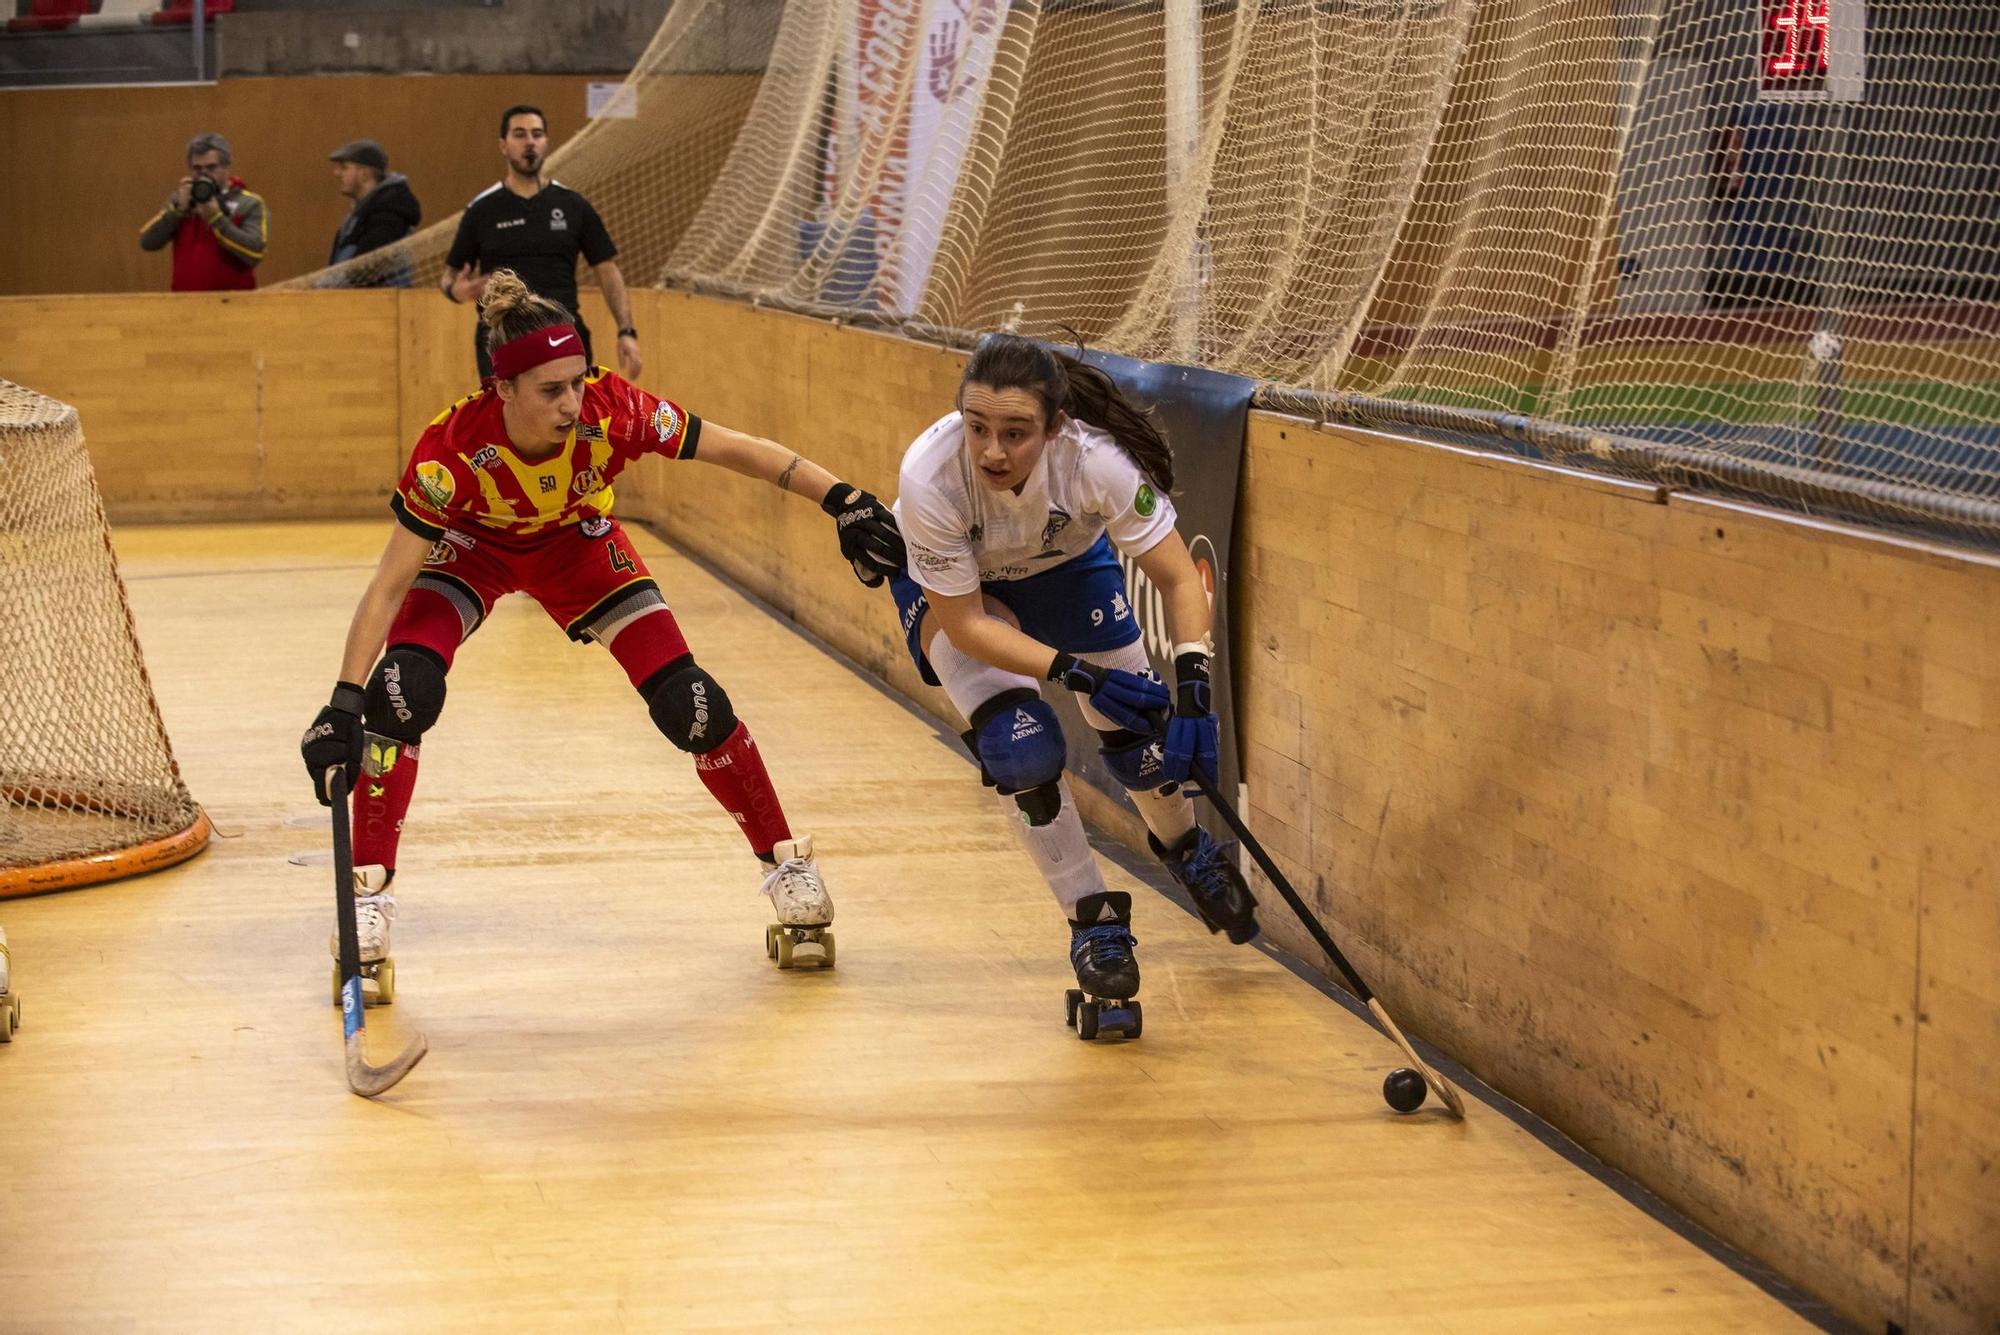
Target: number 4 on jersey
619	560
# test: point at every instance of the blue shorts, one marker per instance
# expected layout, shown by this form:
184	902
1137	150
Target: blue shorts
1078	607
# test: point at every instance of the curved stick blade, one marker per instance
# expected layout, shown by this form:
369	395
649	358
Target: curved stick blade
1438	1084
368	1081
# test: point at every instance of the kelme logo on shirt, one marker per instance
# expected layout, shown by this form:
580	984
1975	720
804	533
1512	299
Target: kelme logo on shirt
1145	502
434	481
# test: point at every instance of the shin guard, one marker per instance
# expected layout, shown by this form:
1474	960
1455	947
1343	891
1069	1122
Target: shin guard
388	781
734	774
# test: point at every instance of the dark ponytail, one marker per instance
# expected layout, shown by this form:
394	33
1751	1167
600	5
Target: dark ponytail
1066	384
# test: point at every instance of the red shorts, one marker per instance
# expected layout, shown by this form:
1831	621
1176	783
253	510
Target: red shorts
586	576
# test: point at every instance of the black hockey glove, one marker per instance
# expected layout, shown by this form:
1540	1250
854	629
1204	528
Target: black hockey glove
1126	698
868	536
334	740
1193	737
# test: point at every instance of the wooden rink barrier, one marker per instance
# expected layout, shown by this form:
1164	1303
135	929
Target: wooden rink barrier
1667	817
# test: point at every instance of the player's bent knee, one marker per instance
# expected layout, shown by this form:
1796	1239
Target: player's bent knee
406	693
1133	760
688	706
1019	742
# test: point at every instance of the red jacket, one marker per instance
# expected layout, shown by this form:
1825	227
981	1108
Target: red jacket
218	257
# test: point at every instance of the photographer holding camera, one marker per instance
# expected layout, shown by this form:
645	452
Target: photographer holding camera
219	229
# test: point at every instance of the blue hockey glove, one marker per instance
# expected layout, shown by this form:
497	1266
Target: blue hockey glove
1193	735
1126	698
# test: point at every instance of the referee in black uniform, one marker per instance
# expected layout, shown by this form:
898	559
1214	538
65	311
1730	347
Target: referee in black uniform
537	228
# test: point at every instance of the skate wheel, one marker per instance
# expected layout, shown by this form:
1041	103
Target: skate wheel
826	944
771	942
10	1019
336	987
1138	1020
1071	1000
385	981
784	949
1086	1020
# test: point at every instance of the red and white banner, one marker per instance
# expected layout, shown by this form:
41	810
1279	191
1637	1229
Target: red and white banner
911	77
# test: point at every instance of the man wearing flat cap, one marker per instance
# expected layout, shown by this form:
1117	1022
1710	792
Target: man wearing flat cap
384	211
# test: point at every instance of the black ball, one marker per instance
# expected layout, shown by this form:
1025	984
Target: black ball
1404	1090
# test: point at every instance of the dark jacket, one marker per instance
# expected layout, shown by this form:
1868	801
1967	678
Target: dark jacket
386	214
218	256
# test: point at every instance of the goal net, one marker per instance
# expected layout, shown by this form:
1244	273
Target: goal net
89	790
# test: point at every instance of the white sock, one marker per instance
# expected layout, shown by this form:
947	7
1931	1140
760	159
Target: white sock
1061	852
1168	815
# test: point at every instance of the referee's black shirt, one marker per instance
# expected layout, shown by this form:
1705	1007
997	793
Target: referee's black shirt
538	238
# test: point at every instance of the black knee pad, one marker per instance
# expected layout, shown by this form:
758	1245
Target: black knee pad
688	706
406	692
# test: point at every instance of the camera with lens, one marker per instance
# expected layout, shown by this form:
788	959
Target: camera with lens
201	190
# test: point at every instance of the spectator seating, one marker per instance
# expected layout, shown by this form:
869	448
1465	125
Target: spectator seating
54	15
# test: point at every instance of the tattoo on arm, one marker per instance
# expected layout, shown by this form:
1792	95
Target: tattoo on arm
785	478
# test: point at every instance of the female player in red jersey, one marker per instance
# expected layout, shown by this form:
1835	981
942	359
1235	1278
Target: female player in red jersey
510	490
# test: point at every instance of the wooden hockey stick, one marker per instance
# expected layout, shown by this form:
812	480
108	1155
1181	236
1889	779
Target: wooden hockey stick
1438	1084
362	1078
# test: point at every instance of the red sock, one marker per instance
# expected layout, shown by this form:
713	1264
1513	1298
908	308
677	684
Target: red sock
734	773
388	781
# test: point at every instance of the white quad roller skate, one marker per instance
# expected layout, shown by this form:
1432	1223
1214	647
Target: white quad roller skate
374	910
10	1000
798	897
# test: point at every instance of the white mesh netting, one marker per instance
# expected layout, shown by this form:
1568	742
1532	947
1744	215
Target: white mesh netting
88	785
1752	242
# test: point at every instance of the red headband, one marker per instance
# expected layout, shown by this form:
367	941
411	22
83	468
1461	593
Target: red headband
531	350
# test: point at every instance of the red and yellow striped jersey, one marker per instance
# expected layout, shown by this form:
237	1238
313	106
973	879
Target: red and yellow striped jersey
465	473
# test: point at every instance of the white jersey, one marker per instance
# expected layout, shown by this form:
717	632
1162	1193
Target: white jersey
961	531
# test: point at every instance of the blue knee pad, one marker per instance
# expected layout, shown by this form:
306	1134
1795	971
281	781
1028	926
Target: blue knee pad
1019	742
405	693
1134	761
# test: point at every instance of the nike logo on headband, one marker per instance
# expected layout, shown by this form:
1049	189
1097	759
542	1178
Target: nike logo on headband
558	342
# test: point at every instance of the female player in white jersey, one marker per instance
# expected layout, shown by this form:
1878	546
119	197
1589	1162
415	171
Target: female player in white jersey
1010	508
510	490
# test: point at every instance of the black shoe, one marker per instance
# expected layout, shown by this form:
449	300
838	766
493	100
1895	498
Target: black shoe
1100	946
1206	869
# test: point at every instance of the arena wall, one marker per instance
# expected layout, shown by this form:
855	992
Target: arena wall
1668	817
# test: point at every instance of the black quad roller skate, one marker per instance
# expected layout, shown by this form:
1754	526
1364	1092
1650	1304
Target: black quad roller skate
1206	869
1107	973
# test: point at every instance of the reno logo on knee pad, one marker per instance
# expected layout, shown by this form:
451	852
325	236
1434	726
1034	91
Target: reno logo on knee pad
700	693
392	686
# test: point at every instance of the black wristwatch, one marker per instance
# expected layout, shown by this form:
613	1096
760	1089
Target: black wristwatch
628	332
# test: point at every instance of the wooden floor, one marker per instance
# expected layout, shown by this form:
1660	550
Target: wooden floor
630	1120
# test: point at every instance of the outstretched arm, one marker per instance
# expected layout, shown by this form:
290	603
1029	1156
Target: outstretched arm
868	536
401	562
336	738
765	460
